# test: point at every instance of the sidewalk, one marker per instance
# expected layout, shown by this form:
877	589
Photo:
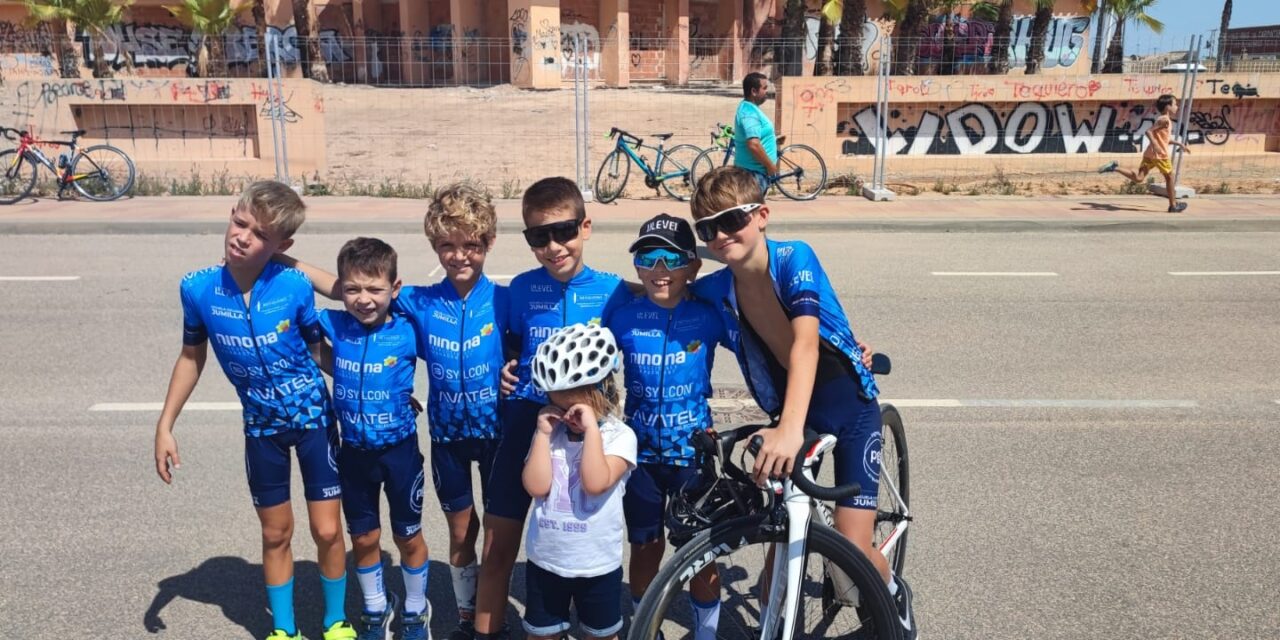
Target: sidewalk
205	214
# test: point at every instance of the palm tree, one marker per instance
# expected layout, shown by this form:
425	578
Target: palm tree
909	16
211	19
312	62
849	43
1126	11
1002	14
826	35
1222	35
94	16
948	10
793	39
1039	29
260	33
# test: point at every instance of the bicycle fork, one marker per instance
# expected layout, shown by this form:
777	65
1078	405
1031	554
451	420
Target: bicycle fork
784	582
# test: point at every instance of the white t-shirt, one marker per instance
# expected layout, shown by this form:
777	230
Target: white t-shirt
573	534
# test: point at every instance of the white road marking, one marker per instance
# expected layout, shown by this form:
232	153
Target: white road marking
157	406
38	278
997	274
1224	273
435	271
1043	403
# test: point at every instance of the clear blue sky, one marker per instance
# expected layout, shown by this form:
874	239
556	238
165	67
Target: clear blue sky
1183	18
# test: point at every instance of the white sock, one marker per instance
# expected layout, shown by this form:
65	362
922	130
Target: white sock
893	586
375	594
464	585
415	588
706	616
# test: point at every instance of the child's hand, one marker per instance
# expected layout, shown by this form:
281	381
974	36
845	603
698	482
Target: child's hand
166	452
866	353
548	417
581	418
509	379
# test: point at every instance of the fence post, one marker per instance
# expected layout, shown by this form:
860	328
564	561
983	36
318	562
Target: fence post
1185	98
268	57
876	191
581	127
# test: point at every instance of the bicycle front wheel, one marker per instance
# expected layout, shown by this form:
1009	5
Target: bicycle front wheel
676	165
102	173
741	549
19	176
612	177
894	476
703	164
802	174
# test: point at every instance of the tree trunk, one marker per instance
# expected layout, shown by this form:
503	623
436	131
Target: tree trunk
826	35
1115	51
794	34
100	67
849	60
1222	35
1101	22
948	66
1000	40
64	52
217	63
308	45
257	69
1039	29
906	37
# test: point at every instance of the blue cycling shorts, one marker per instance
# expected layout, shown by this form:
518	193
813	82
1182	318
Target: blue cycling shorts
505	495
397	471
267	465
645	502
838	408
451	470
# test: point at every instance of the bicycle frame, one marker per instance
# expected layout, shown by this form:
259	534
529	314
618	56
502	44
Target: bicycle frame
644	166
29	150
731	147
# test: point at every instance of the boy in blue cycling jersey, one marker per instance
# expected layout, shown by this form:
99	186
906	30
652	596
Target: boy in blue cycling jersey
796	350
262	322
668	341
460	323
372	356
561	292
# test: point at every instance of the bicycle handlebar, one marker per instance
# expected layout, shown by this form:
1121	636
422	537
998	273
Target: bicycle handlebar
799	474
8	133
720	444
625	136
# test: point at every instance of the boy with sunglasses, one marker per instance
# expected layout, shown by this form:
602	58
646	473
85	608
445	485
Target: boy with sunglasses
668	340
797	352
561	292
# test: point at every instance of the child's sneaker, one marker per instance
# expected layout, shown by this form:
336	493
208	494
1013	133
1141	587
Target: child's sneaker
377	626
1178	208
1109	167
466	630
340	630
906	615
280	634
417	626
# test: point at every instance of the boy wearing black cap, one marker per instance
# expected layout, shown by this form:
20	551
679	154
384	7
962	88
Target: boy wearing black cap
668	339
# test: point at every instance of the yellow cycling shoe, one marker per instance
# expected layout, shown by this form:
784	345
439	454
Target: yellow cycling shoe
279	634
340	630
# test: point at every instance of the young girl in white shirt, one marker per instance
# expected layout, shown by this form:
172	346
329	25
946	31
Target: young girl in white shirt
576	472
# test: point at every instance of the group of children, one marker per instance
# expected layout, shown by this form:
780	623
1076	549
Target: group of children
521	384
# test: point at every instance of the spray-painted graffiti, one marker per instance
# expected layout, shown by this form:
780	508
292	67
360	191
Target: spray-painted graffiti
168	46
1031	127
33	94
29	64
1235	89
519	44
590	57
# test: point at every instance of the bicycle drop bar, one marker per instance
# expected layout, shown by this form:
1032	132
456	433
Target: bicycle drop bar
625	136
802	479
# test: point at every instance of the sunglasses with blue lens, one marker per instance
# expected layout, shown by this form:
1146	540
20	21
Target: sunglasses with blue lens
672	260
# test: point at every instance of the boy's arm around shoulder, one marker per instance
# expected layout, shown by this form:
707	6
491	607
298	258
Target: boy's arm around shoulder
186	373
325	283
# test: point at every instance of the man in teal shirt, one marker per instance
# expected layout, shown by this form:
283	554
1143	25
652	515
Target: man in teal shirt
753	133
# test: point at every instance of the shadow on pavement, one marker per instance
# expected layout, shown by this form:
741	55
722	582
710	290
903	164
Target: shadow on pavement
1107	206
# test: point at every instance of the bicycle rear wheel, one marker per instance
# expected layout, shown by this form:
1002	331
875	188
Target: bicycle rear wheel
102	173
18	177
611	179
679	159
894	472
802	173
741	550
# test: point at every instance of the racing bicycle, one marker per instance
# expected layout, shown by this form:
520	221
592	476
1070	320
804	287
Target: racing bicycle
669	171
785	572
802	174
100	172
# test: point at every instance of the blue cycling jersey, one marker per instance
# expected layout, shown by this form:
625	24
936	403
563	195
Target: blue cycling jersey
668	354
804	290
372	378
461	341
541	304
262	345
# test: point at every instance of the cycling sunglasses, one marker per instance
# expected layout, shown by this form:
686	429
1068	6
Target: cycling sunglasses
562	232
672	260
731	220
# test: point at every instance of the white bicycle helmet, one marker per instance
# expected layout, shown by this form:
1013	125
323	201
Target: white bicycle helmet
574	356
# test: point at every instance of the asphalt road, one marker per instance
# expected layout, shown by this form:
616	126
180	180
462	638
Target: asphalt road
1094	452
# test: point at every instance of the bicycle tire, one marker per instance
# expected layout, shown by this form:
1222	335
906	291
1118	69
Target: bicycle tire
105	186
703	164
681	187
893	460
806	185
613	163
17	186
724	541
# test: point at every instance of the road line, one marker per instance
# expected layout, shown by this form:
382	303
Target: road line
917	402
157	406
1041	403
435	271
39	278
997	274
1224	273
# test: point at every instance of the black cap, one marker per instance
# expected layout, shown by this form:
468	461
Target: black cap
665	230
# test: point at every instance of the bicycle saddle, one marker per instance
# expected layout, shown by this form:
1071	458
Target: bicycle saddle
77	132
663	136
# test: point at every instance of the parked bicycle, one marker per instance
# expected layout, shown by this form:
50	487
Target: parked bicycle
100	172
802	174
785	572
669	171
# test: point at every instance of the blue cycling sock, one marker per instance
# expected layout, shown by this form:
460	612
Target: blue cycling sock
280	599
335	597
